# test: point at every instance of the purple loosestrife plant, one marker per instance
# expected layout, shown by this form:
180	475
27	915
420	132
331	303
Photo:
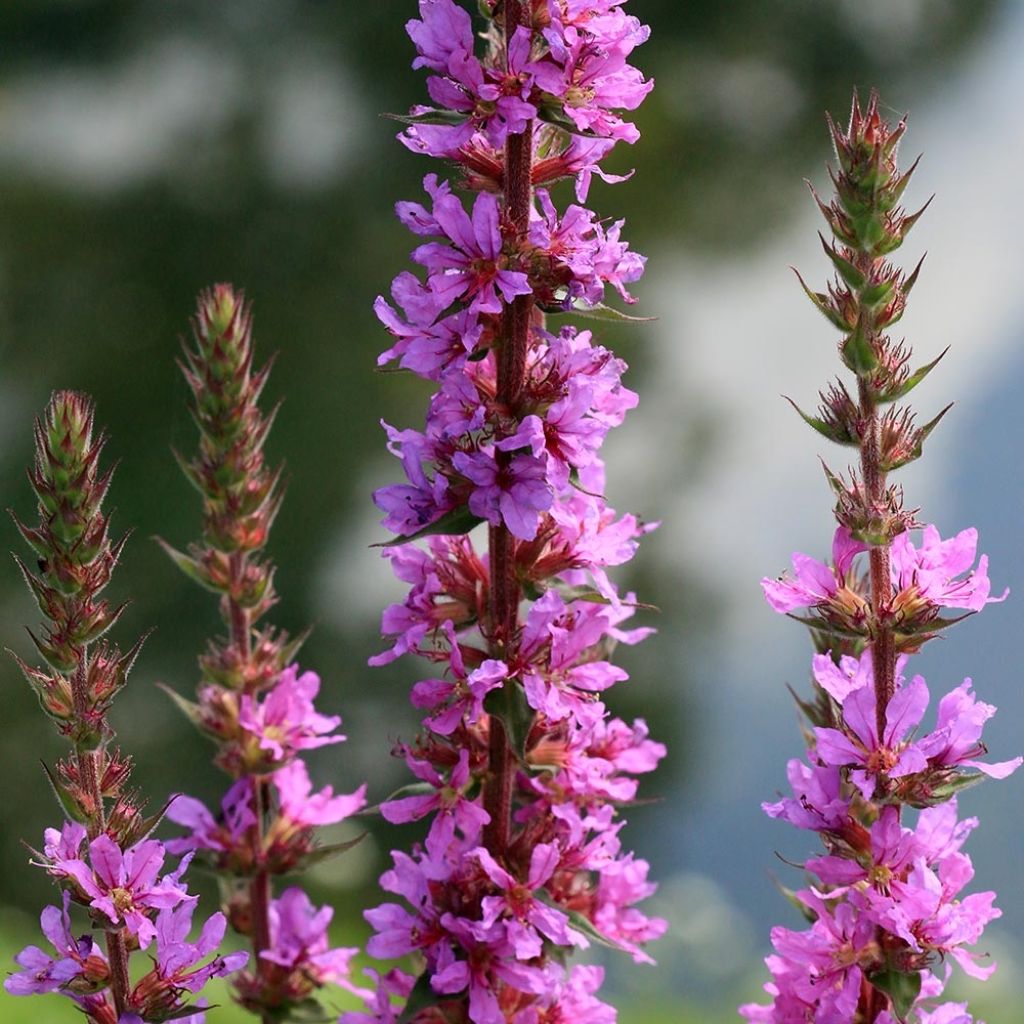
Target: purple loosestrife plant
520	769
102	858
252	700
886	904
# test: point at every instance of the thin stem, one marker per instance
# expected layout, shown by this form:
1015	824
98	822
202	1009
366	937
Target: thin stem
89	770
260	891
883	650
504	588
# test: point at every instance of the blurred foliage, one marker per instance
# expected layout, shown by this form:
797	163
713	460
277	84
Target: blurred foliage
148	149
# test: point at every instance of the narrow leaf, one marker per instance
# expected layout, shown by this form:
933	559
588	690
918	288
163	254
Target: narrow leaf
68	804
825	429
324	853
911	382
189	566
600	312
847	271
457	521
189	708
822	304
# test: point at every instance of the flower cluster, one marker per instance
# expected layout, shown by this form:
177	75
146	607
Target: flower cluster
253	701
886	903
116	877
519	768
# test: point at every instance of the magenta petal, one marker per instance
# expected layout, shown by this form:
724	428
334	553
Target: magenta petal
905	710
410	808
107	861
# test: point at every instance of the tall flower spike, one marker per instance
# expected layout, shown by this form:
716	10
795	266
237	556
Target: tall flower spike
523	769
116	880
886	907
252	700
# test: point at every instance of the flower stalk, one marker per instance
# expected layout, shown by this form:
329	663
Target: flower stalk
114	880
252	700
521	769
886	907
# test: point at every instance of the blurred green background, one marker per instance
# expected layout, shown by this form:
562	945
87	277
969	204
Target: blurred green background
149	149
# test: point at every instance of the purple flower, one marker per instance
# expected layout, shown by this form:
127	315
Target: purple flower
470	264
454	809
207	832
524	917
178	960
121	886
40	972
956	741
299	942
514	494
300	807
463	697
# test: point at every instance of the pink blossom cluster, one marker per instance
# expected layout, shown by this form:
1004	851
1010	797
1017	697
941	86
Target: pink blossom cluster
491	921
267	824
121	889
887	903
570	66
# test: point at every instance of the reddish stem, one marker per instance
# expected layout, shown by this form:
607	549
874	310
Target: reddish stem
90	770
504	588
259	886
883	648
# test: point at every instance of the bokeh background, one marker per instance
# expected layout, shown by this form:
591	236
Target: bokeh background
148	149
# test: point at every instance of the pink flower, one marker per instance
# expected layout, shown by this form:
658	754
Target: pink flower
121	886
813	582
299	941
892	753
285	720
524	917
934	568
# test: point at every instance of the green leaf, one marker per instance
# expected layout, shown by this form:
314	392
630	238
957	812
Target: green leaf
911	382
949	789
823	428
64	798
874	296
422	997
791	897
847	271
601	312
580	922
188	1011
324	853
189	708
919	439
822	304
901	988
189	566
819	624
455	522
858	354
429	117
552	112
508	703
